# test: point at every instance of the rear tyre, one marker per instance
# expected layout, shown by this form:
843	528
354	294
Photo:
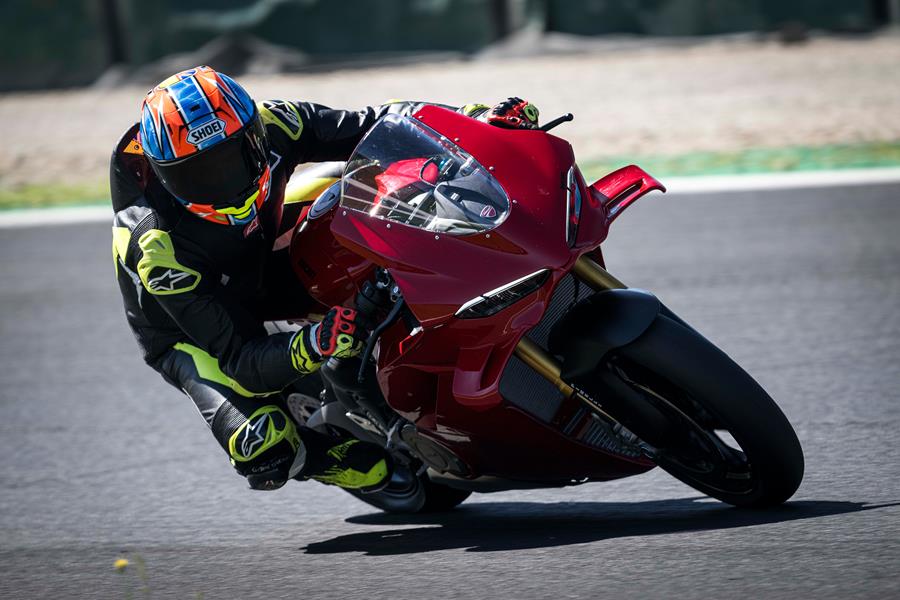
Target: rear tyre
721	432
441	498
409	494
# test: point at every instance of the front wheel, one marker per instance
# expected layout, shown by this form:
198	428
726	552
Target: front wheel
705	420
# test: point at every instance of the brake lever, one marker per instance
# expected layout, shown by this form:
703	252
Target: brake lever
391	318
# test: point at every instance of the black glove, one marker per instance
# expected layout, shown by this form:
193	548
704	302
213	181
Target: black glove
339	334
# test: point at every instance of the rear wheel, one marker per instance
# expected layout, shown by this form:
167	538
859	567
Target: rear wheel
409	493
705	420
441	498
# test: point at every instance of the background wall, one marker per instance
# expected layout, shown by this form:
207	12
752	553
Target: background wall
63	43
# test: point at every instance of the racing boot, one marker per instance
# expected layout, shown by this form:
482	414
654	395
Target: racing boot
343	461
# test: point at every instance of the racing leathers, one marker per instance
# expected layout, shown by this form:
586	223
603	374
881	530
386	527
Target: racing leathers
197	295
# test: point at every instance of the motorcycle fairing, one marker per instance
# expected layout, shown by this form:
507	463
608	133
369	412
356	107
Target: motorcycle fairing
444	376
438	273
621	188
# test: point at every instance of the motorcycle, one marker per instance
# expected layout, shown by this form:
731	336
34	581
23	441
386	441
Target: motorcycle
505	355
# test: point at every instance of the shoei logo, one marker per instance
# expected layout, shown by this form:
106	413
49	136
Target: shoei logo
203	132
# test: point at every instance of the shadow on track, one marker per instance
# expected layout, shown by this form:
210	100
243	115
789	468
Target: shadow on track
498	526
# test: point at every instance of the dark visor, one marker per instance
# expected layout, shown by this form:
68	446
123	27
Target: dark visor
223	175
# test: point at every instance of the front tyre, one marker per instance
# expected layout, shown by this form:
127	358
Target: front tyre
713	427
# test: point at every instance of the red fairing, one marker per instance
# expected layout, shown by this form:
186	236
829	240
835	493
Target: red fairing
445	376
330	272
446	380
438	273
618	190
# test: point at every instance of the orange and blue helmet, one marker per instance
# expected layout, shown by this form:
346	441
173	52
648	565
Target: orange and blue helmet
204	139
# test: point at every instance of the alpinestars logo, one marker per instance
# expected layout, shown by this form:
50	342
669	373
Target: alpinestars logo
287	116
284	115
168	281
254	435
253	226
203	132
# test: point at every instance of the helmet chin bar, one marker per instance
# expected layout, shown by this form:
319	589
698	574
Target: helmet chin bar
234	215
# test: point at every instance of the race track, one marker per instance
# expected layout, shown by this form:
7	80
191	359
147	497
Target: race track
102	459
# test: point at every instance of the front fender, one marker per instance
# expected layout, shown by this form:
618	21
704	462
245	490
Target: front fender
598	324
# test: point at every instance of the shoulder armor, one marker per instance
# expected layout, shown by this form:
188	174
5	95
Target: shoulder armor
283	115
135	218
159	269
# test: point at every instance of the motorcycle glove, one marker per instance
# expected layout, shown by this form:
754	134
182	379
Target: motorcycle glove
338	335
514	113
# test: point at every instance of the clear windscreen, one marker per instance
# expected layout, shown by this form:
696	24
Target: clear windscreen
407	173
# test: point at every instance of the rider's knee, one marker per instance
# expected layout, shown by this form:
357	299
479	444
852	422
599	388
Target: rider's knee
261	441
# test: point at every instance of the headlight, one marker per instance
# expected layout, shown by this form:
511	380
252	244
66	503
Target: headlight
490	303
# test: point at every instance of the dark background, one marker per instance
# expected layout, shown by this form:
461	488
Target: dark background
64	43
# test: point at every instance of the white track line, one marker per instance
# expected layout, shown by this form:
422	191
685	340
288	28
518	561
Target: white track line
35	217
780	181
676	185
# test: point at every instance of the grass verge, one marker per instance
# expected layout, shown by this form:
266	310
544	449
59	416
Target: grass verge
758	160
47	195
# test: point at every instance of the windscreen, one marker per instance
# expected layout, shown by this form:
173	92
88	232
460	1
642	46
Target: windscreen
407	173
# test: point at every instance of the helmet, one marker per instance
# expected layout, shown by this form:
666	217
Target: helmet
205	140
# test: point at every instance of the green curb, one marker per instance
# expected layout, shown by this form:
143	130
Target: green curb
51	195
757	160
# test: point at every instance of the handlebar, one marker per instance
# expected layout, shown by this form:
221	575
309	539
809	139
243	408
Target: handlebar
392	317
557	121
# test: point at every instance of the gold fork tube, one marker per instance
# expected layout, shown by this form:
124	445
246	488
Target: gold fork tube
548	367
595	276
542	361
545	363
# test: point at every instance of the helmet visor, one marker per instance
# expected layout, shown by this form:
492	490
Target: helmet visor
221	176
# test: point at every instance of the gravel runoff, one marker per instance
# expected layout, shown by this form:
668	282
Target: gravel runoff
728	94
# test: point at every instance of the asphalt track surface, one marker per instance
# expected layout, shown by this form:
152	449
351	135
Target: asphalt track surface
101	459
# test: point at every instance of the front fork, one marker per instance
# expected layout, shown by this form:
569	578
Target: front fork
598	279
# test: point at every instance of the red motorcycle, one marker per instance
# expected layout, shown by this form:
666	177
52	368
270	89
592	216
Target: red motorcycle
505	355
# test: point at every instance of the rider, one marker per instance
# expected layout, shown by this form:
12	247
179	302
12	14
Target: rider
198	188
